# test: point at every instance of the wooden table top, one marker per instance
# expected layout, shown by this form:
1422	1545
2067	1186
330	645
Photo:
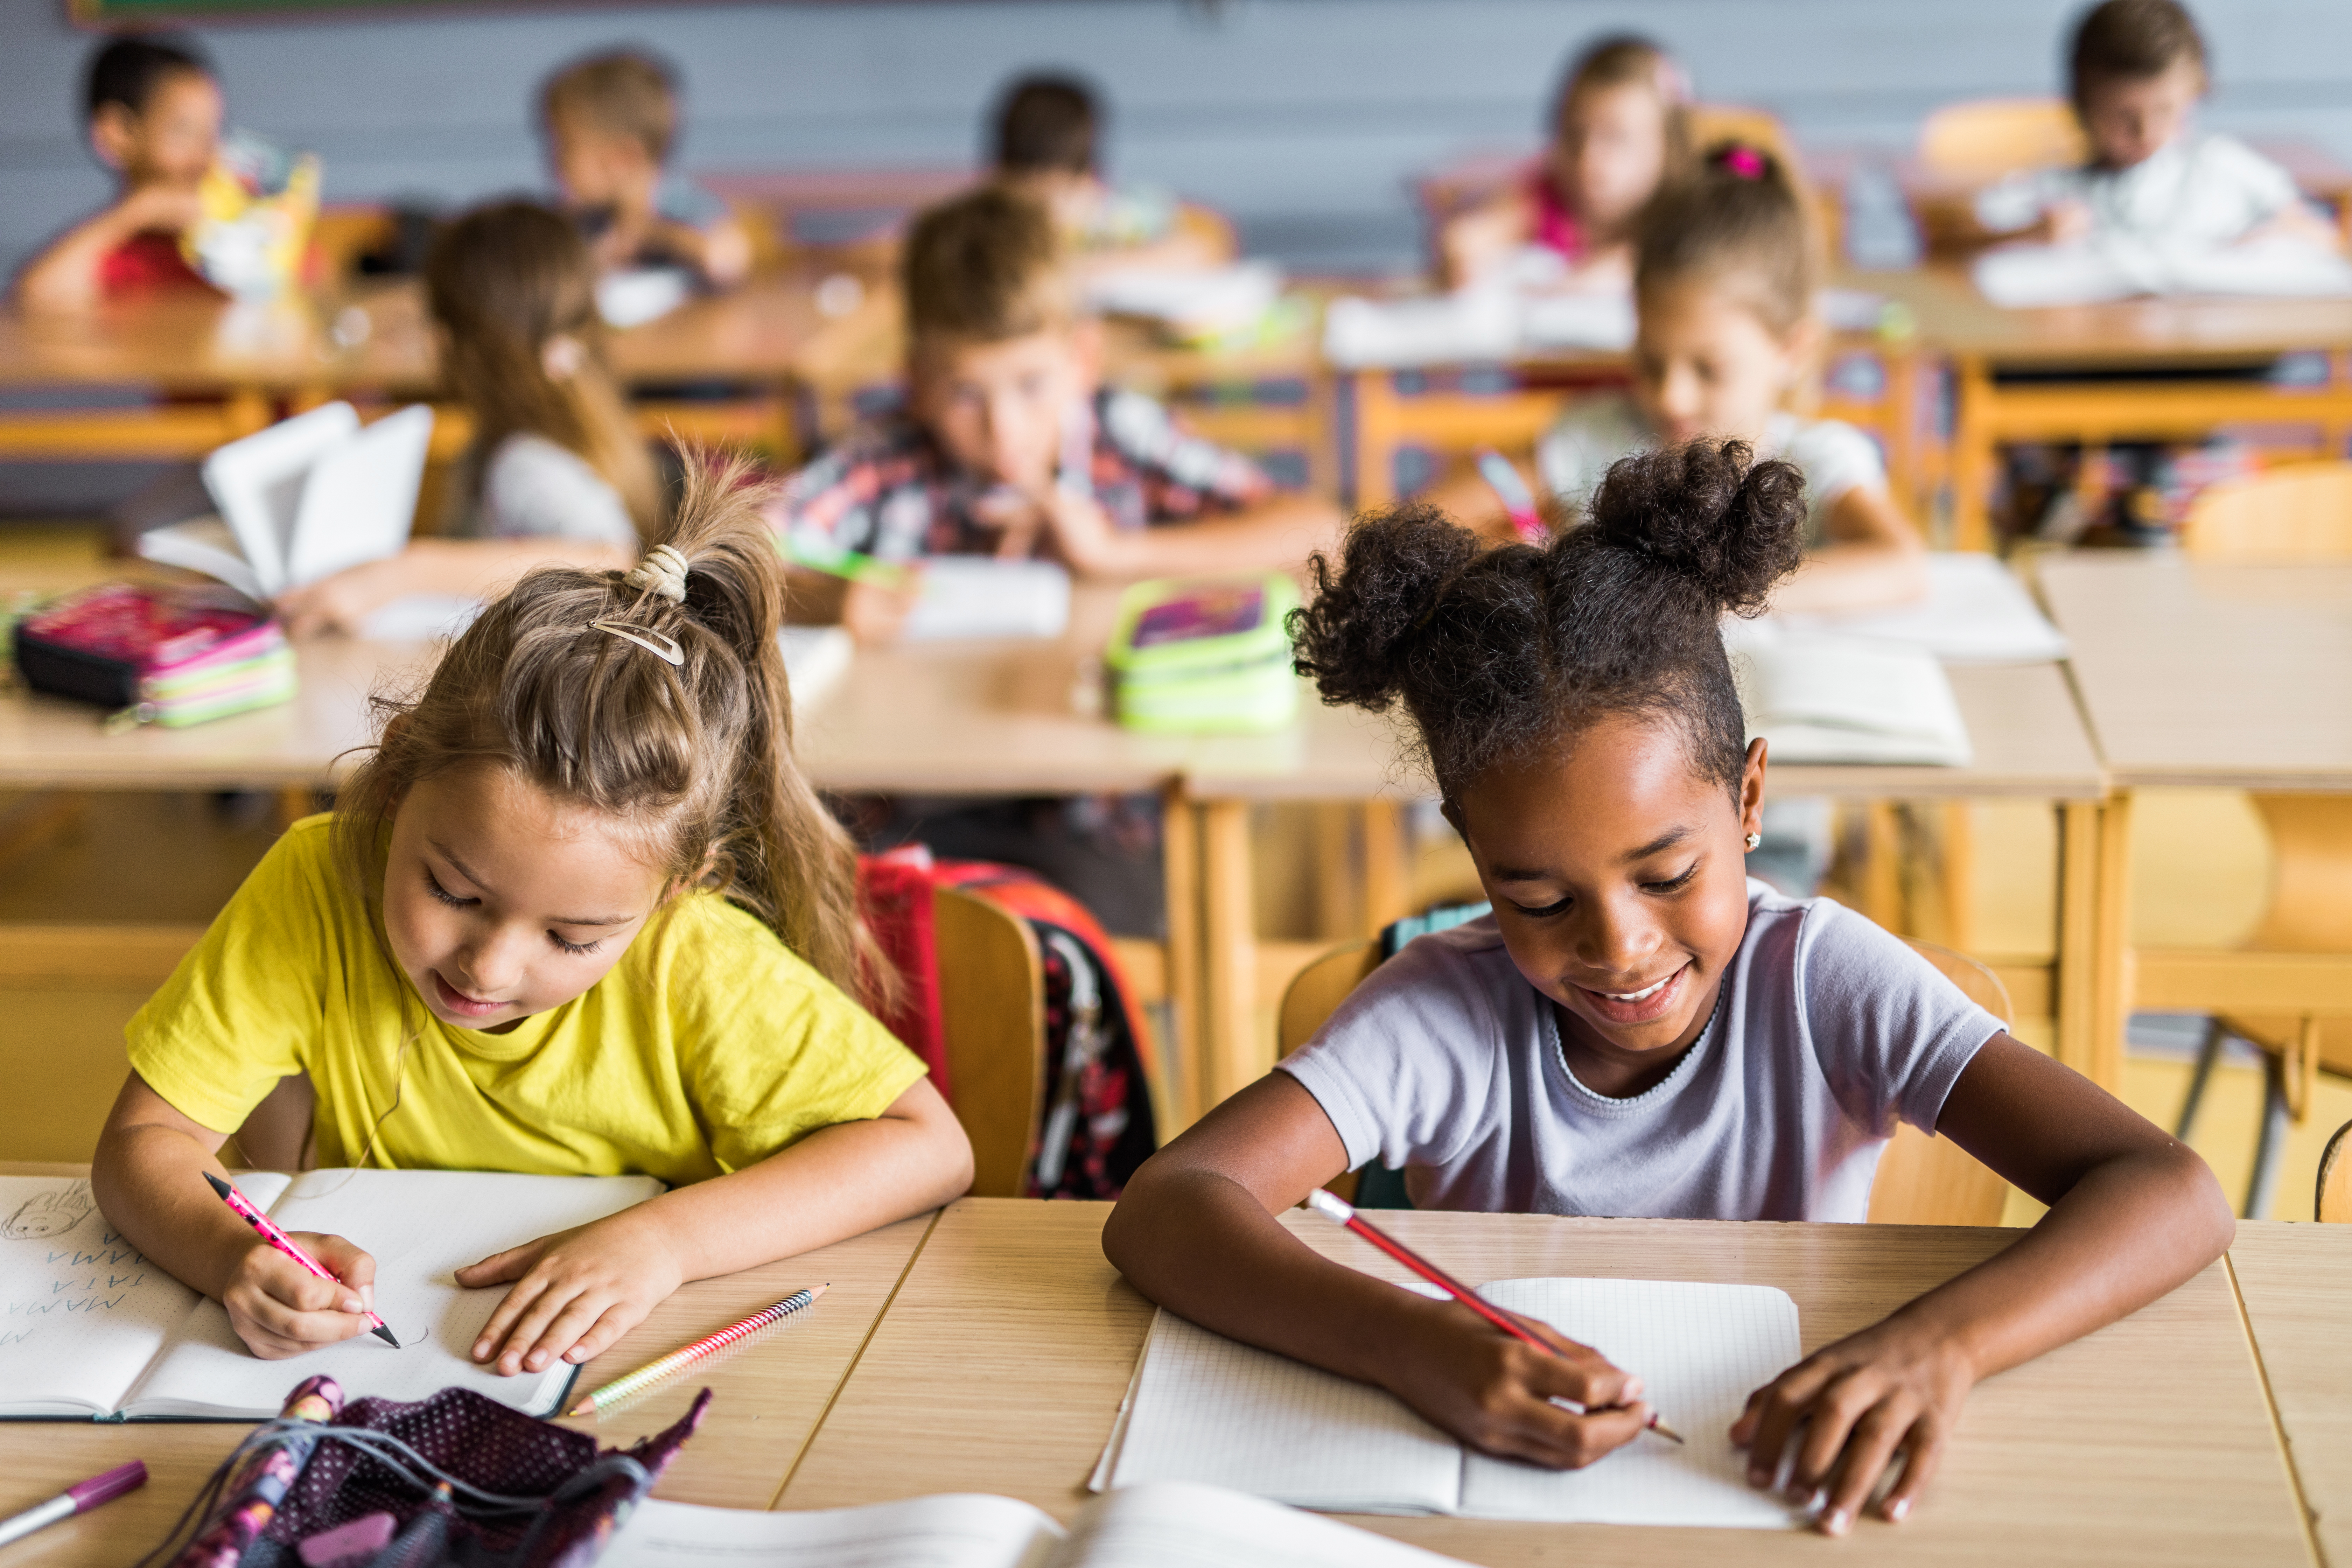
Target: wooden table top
2202	673
769	1398
1951	316
203	345
1001	1362
2029	738
2296	1280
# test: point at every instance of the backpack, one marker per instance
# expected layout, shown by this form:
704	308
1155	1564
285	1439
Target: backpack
1096	1123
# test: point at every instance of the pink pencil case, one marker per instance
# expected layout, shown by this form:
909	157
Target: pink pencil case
119	642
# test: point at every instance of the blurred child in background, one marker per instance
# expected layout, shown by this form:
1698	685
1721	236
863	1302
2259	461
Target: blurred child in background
1048	146
1011	445
1620	129
2136	72
152	108
611	121
1727	340
557	472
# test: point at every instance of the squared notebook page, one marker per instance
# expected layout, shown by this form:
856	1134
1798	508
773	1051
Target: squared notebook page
82	1311
1699	1349
420	1226
951	1530
1212	1411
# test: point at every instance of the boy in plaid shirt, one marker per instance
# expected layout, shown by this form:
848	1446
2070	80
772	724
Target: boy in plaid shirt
1010	447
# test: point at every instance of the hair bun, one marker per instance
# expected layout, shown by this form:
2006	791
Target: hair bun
1707	510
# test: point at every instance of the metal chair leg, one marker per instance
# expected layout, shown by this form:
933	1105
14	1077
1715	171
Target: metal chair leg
2210	1052
2270	1145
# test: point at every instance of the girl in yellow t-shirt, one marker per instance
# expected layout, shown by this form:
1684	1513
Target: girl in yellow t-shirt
579	913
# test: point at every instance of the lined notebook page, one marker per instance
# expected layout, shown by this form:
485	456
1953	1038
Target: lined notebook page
1215	1412
420	1226
1177	1526
1699	1349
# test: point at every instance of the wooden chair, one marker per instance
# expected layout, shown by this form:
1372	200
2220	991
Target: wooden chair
1985	138
2332	1205
1921	1180
2281	990
993	1017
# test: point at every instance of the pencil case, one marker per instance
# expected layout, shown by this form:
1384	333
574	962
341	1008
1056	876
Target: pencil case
1203	654
174	656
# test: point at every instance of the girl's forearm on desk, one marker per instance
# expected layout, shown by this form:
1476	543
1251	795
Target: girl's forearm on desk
149	1181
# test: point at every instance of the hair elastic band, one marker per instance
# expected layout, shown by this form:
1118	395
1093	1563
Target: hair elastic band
662	571
659	644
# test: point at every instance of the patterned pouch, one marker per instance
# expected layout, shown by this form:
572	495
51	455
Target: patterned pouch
463	1480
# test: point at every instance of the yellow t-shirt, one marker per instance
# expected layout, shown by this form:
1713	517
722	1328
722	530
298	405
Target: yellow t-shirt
708	1047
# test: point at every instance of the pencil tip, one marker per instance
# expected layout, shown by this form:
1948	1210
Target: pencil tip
386	1336
219	1186
586	1408
1662	1431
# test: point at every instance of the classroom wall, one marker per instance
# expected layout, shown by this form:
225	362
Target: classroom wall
1304	118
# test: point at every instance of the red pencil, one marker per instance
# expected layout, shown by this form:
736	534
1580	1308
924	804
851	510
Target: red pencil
1339	1211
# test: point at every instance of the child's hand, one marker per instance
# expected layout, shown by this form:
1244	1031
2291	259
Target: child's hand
875	612
340	603
1496	1394
1840	1414
280	1308
172	208
2067	222
576	1291
1082	532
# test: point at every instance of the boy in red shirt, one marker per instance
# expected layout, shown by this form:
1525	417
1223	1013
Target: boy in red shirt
152	111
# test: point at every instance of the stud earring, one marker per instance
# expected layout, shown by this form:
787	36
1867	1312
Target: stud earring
1755	840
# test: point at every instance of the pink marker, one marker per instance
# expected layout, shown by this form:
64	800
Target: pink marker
267	1228
80	1497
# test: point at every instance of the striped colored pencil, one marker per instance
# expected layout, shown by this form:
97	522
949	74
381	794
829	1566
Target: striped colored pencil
653	1371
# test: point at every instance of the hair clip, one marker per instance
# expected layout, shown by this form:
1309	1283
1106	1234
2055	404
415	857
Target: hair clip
1743	161
662	571
660	645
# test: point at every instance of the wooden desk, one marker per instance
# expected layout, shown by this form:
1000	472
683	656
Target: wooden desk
2030	744
770	1398
2296	1281
1001	1364
2202	673
1981	339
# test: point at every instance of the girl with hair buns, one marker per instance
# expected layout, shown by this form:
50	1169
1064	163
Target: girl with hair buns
578	913
1637	1030
557	471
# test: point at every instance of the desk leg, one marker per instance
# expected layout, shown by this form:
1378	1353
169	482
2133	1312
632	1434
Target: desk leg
1179	1073
2094	965
1230	1053
1972	456
1388	875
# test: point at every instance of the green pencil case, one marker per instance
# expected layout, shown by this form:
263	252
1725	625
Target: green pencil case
1212	654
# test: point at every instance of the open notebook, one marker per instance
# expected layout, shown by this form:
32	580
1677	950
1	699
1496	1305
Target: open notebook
1828	698
89	1327
2024	277
1207	1409
1147	1527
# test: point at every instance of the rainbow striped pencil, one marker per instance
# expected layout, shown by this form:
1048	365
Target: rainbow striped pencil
653	1371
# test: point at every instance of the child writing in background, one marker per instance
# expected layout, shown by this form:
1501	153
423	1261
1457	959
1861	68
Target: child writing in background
1619	130
1047	145
1011	445
1637	1030
557	472
1726	337
579	913
610	123
2136	71
152	108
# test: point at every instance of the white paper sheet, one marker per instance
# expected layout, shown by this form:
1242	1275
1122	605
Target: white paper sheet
951	1530
1976	612
420	1226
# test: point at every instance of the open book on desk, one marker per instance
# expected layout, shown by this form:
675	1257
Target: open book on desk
89	1327
1837	700
2026	277
1209	1410
1144	1527
1975	612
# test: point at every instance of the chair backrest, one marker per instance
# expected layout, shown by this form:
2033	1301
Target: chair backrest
2301	512
2332	1205
1985	138
992	1023
1934	1181
1921	1180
